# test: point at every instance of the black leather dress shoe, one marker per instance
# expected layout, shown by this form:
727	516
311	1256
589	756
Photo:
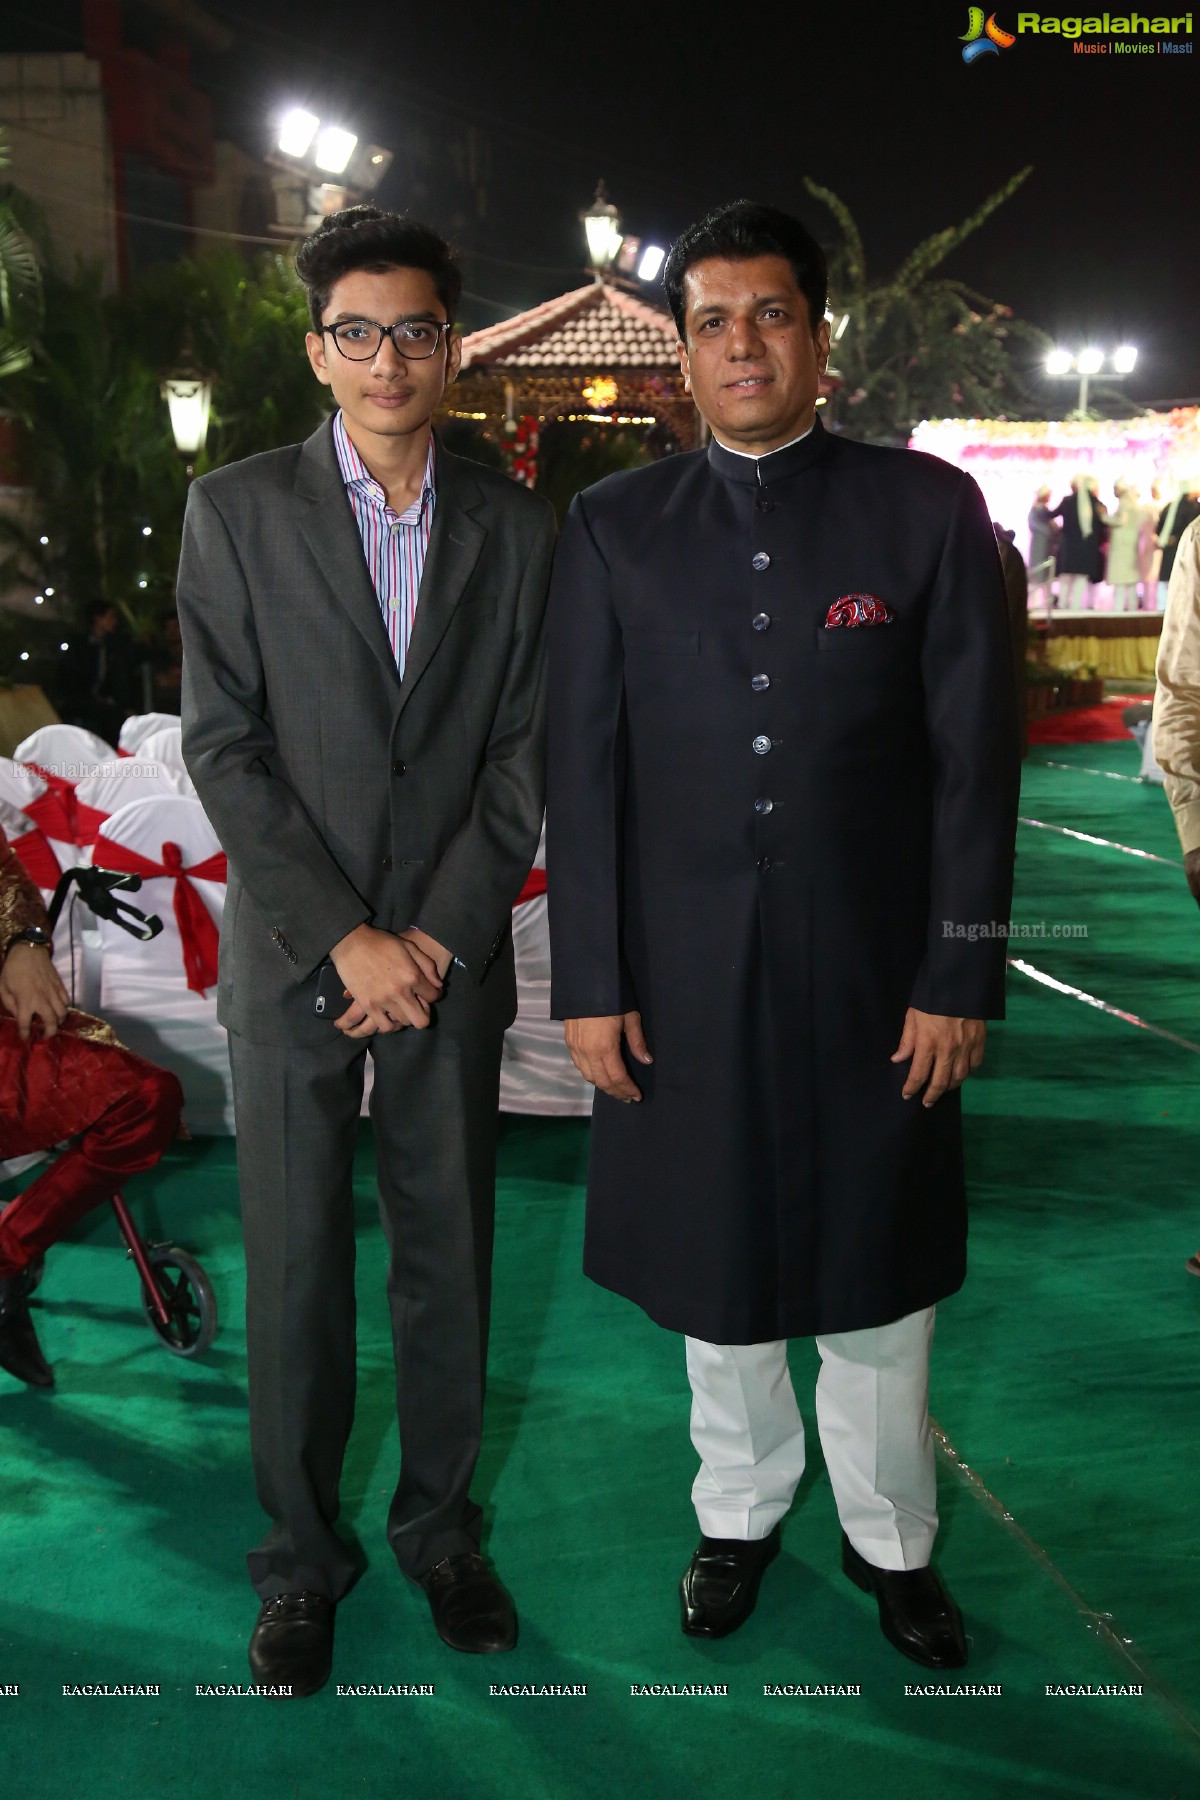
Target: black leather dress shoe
916	1614
291	1645
20	1352
720	1589
471	1607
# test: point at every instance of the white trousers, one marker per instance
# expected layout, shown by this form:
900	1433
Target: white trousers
873	1417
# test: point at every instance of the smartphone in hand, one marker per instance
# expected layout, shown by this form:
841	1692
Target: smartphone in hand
331	997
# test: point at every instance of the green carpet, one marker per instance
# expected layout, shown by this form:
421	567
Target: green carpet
1062	1377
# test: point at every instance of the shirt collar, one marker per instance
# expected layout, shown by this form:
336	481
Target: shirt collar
755	471
356	474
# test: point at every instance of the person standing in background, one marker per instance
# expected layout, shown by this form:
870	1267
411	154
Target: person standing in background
1082	555
1042	534
1123	568
100	676
1081	558
1173	521
1177	712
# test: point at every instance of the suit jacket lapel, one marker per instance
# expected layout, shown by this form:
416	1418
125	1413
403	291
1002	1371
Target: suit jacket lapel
454	545
329	527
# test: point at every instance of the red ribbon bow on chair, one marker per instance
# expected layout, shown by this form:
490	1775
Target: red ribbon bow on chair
36	857
60	813
55	812
198	934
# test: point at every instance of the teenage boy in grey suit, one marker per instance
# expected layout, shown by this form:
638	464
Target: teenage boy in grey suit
362	618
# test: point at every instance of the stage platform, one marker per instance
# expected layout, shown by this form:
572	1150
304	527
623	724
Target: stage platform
1119	646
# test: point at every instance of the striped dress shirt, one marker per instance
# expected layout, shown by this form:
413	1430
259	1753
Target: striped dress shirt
394	544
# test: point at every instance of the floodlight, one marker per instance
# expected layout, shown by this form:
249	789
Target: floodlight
296	131
334	148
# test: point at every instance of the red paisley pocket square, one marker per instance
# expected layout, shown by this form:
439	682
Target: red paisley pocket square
859	609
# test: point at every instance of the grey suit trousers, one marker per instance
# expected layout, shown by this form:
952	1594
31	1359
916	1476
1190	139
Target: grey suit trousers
434	1111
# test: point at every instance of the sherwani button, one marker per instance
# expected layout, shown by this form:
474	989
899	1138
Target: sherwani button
759	682
760	621
398	768
761	745
760	560
387	862
763	806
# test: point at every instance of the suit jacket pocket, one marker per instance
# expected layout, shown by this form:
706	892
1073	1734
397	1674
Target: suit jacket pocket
864	641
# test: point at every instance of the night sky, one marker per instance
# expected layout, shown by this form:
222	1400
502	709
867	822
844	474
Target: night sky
681	107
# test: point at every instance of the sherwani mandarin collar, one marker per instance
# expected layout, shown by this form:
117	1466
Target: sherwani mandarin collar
776	465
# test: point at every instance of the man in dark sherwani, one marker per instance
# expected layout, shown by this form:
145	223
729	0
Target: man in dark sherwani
782	799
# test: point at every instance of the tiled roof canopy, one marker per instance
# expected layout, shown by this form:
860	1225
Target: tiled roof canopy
591	326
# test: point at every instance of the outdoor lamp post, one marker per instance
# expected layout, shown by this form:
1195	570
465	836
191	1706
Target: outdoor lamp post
1088	362
188	395
602	223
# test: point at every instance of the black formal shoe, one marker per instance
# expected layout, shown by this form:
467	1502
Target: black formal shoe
916	1614
20	1352
720	1589
471	1607
291	1645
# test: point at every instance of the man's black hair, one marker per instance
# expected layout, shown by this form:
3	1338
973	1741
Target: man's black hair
364	237
738	232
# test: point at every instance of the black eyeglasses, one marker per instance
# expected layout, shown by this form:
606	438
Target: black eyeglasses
362	339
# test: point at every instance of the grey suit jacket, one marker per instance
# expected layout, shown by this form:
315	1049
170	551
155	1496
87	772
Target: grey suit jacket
340	793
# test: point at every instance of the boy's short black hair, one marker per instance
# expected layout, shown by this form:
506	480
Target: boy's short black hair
738	232
365	237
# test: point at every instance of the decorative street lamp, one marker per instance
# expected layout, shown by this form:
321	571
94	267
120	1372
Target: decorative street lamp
188	394
1088	362
602	223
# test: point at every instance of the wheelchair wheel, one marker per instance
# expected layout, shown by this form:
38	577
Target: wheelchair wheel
190	1302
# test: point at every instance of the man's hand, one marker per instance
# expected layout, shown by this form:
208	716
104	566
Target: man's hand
1191	868
392	982
944	1052
595	1046
437	953
30	988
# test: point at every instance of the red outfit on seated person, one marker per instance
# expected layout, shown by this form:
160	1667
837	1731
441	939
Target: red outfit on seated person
120	1111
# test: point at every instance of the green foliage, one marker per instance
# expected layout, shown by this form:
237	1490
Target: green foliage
921	345
96	448
20	285
572	457
245	326
463	437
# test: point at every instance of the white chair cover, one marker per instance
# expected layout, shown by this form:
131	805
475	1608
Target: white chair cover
138	727
165	747
144	994
66	750
19	784
117	784
536	1071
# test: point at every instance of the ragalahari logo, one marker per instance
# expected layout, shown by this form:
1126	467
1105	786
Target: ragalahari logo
983	37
